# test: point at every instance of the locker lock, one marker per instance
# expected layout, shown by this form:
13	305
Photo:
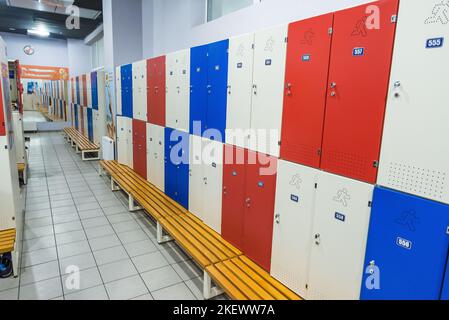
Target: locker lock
248	202
255	89
317	239
288	87
225	190
229	89
333	85
278	218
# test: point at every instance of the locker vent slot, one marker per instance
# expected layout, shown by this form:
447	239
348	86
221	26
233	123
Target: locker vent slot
299	151
348	164
290	279
415	180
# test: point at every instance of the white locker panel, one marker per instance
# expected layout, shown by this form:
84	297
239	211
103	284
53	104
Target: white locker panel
97	125
415	153
293	221
118	89
268	89
89	90
178	90
213	183
340	230
101	125
155	155
240	81
86	123
122	149
129	142
139	70
82	91
196	177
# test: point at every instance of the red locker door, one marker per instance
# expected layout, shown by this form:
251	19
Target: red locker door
306	74
233	210
140	147
259	210
73	90
357	90
84	91
81	127
156	90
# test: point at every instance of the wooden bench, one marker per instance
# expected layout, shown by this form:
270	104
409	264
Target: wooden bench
21	167
8	245
242	279
82	145
207	248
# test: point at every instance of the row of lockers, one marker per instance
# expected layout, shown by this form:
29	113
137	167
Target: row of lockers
55	107
308	228
86	89
54	88
89	122
323	85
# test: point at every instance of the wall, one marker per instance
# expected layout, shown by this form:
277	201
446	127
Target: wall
177	24
79	56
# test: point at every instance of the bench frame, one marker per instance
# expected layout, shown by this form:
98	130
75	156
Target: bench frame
83	152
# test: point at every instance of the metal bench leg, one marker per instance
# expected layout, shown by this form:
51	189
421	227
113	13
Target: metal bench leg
114	186
132	204
101	170
210	292
78	149
24	175
161	236
15	262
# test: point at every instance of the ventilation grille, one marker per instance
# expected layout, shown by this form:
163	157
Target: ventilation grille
291	280
299	152
426	182
348	164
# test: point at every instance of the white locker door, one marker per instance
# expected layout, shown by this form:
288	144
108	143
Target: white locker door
122	143
101	124
415	153
213	183
183	90
268	89
118	89
293	221
240	81
340	230
96	123
129	142
155	159
89	90
172	94
139	70
86	123
196	177
150	153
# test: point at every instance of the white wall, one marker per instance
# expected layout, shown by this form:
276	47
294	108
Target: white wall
177	24
79	56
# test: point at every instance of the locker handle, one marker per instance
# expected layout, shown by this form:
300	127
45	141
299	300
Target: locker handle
333	85
248	202
317	239
278	218
288	87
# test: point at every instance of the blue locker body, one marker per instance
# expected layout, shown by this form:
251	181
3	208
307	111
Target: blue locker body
94	86
90	124
218	83
78	98
408	241
198	88
445	293
127	90
75	108
177	166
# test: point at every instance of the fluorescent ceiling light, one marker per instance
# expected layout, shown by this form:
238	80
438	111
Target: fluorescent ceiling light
40	33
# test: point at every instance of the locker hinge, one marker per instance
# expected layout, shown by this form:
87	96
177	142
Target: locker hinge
6	147
319	152
316	185
376	164
279	143
252	46
447	231
330	30
286	39
394	18
370	204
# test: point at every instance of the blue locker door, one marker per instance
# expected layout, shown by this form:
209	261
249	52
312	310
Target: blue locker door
94	84
407	247
75	108
90	124
170	166
78	98
217	84
198	90
445	294
127	91
182	169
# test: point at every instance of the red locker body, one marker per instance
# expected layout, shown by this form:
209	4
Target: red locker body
156	90
84	91
357	90
233	210
140	147
73	90
307	66
2	111
81	120
259	212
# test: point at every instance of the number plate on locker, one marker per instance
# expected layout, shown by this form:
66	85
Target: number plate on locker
406	244
358	52
434	43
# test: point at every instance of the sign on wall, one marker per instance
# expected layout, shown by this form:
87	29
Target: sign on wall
44	73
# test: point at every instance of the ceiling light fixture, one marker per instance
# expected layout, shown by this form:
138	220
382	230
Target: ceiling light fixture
40	33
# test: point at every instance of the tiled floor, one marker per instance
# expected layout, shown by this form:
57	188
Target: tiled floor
73	219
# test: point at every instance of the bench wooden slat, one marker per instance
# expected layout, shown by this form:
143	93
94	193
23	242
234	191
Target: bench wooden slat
84	144
229	286
7	240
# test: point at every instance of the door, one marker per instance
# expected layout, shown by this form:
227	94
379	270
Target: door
445	293
408	236
414	159
234	181
94	90
156	90
155	151
127	90
357	88
76	117
88	90
340	228
118	89
268	84
293	221
82	120
212	183
85	122
170	166
96	126
122	146
139	147
84	85
240	81
129	142
259	208
78	93
172	89
217	60
196	177
90	124
198	89
306	72
139	91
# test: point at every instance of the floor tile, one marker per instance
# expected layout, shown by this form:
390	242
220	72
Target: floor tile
104	242
95	222
117	270
187	270
196	287
132	236
39	222
126	226
140	248
88	279
38	243
88	206
177	292
150	261
39	272
69	237
161	278
82	262
121	217
68	227
109	255
66	218
73	249
9	295
89	214
173	253
126	288
144	297
38	257
95	293
99	232
43	290
38	232
9	283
